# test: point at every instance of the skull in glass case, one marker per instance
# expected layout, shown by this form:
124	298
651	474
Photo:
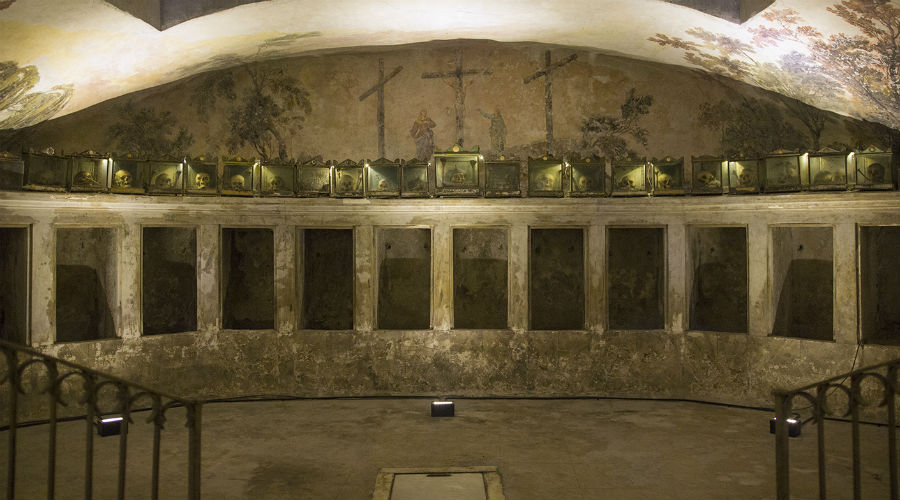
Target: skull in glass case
122	178
237	182
84	178
708	179
201	180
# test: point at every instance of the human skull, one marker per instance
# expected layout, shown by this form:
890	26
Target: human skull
626	183
383	185
163	181
346	183
545	182
122	178
824	177
201	180
84	178
585	183
276	184
746	177
237	182
707	179
457	177
876	173
664	181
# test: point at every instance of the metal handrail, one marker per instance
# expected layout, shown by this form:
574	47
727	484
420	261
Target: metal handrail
21	359
817	394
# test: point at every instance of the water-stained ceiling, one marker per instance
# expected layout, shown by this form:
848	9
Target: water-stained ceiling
60	57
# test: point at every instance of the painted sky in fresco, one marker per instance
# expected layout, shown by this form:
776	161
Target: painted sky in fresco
86	51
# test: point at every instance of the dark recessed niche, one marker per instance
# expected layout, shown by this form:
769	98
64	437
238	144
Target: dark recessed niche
14	284
636	278
719	288
326	278
404	278
248	279
557	279
169	280
803	282
85	284
480	263
879	284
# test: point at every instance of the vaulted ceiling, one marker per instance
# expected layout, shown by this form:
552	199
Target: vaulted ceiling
60	57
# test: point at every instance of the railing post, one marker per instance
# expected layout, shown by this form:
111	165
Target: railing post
194	424
89	417
12	377
53	391
854	431
782	450
890	395
819	414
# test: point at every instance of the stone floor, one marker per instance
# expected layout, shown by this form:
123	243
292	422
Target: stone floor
541	448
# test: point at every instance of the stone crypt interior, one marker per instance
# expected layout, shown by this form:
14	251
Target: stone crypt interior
608	231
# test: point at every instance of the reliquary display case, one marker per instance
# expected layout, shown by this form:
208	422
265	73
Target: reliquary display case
710	175
588	177
668	176
314	178
129	175
457	172
45	171
502	177
545	176
828	170
383	178
238	177
414	179
782	171
743	175
348	179
629	177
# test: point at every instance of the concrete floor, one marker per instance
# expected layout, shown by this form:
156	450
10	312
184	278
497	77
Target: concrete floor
542	449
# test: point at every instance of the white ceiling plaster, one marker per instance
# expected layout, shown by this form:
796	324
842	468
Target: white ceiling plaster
104	52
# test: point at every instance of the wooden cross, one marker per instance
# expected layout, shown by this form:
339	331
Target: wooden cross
379	87
548	91
460	88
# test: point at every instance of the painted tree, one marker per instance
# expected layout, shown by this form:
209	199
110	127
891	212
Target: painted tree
750	127
609	135
262	113
148	134
19	105
863	65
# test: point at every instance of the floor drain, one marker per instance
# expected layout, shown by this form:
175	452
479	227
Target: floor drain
451	483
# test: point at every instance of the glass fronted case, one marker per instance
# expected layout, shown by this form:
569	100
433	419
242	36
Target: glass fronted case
710	175
238	177
828	170
278	179
782	170
630	177
12	172
668	176
545	176
588	177
873	169
457	172
414	179
89	172
203	176
166	176
348	179
45	171
314	178
743	176
501	178
129	175
383	178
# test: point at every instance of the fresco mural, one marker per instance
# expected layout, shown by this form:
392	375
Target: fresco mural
20	104
321	106
862	69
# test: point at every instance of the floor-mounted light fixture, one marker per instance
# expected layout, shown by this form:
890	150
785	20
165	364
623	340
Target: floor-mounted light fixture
109	426
794	425
442	408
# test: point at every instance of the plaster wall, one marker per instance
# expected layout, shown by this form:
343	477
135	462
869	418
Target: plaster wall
672	361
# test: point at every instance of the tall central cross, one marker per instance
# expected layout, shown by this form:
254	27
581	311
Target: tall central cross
548	91
460	87
379	87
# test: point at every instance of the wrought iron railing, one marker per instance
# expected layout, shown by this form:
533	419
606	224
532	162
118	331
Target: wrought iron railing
882	392
31	373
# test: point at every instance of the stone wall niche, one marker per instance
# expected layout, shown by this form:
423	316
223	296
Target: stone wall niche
86	290
636	278
404	278
803	282
169	280
248	278
556	288
480	266
719	279
14	284
879	284
326	278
